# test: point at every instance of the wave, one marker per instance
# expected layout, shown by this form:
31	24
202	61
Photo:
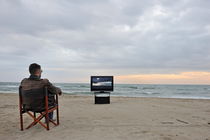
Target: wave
186	89
150	93
182	93
206	88
132	87
148	88
9	86
12	86
84	86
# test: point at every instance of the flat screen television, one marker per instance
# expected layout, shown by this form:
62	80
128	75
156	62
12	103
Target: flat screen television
101	83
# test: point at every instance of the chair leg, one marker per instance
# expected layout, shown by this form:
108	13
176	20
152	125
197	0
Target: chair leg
39	118
34	116
21	121
36	120
57	111
47	120
21	111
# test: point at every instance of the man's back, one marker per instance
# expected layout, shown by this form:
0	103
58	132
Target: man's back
36	83
28	83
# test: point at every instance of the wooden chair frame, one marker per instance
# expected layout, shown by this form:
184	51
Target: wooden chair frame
43	114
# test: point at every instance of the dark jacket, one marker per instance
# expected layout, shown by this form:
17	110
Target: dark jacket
34	82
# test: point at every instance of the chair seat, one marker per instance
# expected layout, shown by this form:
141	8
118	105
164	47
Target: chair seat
39	110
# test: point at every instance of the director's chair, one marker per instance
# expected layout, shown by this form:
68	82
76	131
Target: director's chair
35	101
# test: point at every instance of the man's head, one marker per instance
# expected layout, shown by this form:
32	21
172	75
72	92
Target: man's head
35	69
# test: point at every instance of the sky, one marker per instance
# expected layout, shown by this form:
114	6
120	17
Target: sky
136	41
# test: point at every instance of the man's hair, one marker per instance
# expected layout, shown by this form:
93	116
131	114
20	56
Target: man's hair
33	68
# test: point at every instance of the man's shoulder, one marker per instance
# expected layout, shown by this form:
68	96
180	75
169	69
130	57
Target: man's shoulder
28	83
25	79
45	80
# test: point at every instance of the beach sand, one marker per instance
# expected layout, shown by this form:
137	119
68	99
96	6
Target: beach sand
124	119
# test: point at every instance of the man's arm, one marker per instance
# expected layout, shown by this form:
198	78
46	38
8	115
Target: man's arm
51	88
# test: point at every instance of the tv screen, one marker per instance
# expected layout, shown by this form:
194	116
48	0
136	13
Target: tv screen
101	83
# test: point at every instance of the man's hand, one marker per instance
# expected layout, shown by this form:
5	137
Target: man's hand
60	93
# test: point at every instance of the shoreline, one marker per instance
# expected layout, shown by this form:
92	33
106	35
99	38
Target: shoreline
121	96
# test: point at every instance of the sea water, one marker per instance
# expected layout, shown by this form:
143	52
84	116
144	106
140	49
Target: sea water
128	90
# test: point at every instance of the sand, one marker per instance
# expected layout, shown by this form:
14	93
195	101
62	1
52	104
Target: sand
123	119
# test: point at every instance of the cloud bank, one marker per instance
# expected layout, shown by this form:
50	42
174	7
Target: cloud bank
75	39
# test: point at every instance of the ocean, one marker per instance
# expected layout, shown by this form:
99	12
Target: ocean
128	90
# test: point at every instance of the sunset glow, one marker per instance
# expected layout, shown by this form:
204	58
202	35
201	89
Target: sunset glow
180	78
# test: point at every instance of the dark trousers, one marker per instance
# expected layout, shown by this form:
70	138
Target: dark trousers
51	115
51	100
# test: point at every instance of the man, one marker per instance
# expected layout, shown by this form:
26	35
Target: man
35	82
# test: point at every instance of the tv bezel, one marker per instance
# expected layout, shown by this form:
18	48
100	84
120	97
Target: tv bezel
111	88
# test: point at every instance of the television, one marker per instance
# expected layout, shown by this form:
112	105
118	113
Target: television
101	83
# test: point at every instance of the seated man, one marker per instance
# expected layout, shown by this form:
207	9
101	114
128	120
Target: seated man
35	82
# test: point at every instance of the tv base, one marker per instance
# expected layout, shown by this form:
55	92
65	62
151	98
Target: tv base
102	97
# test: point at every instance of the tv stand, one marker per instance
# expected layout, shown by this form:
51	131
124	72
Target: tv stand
102	97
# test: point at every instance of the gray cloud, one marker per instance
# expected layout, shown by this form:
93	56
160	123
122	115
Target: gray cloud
83	38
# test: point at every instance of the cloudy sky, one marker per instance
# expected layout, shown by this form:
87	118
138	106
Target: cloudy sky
137	41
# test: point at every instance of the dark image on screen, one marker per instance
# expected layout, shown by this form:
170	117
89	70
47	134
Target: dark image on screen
101	83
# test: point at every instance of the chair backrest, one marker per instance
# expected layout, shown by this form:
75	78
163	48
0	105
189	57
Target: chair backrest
33	99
